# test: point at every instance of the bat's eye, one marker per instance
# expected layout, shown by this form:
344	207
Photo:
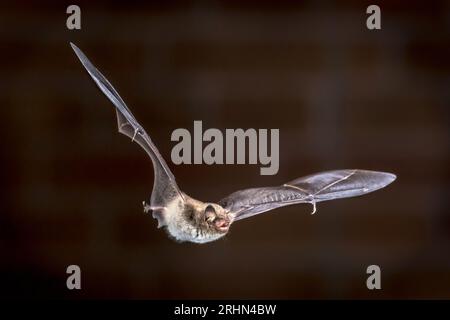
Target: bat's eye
210	213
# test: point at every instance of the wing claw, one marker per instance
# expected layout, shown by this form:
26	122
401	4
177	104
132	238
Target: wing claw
314	207
136	131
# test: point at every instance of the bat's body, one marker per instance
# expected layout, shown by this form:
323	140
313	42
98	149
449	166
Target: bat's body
188	219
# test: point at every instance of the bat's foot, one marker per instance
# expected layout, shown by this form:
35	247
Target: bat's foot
157	213
148	207
314	207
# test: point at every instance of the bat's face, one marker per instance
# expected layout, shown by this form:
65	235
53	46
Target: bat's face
199	222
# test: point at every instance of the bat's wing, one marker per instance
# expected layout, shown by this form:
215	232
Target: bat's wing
310	189
165	188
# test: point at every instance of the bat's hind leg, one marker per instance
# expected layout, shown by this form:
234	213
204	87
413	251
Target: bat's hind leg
157	212
148	208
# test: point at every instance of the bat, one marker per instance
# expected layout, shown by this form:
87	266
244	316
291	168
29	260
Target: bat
189	220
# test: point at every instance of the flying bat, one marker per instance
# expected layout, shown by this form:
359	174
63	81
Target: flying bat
188	219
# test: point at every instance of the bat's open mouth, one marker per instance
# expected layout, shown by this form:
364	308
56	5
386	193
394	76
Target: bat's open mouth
221	224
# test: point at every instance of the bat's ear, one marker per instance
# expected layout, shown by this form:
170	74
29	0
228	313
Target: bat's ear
159	215
210	212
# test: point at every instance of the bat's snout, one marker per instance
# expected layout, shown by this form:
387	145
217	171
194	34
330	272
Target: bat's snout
221	224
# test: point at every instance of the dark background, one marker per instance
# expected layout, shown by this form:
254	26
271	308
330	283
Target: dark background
341	95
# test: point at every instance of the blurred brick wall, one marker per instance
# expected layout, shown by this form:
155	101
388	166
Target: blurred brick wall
342	97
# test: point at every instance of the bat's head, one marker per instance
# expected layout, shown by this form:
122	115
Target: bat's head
215	218
209	221
199	222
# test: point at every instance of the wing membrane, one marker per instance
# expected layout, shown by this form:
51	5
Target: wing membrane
164	187
311	189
